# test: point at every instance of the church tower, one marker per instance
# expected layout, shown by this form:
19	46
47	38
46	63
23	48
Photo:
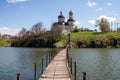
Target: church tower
61	18
70	22
71	17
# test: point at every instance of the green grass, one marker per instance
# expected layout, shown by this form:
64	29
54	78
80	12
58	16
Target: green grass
87	37
94	33
5	42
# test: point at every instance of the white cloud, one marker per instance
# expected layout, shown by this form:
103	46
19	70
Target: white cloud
76	23
6	30
91	4
99	9
15	1
109	4
110	19
93	22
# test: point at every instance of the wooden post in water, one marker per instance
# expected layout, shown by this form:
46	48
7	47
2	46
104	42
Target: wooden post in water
84	75
71	65
42	64
68	56
35	71
49	58
18	76
46	60
74	70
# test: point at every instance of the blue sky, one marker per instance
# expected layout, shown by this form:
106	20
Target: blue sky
16	14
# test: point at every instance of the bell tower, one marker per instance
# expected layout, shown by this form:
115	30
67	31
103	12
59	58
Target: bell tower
61	18
70	15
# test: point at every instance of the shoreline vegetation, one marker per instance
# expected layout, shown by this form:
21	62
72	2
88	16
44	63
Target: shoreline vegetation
4	42
85	39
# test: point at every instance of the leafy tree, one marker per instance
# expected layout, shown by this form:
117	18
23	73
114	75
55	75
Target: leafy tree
104	25
76	29
118	29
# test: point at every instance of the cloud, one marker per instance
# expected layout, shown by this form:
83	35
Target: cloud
6	30
110	19
109	4
99	9
91	4
93	22
16	1
76	23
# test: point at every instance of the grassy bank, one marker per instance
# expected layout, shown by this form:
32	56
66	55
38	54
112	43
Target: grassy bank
93	39
5	42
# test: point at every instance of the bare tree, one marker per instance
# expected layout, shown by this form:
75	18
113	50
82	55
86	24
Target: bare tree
56	31
22	33
38	29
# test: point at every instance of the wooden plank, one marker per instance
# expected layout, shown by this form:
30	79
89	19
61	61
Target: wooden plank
57	69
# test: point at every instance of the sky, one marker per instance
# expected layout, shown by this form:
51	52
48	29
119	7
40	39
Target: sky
18	14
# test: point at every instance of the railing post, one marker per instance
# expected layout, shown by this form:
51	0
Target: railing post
68	57
49	58
42	64
18	76
71	65
35	71
46	60
75	70
84	75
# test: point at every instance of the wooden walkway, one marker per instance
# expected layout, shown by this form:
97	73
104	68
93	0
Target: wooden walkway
57	69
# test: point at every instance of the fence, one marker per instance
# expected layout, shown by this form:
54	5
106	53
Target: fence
73	67
44	63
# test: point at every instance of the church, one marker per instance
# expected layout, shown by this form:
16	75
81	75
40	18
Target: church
69	25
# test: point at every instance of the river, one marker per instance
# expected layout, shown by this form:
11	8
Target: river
99	64
20	60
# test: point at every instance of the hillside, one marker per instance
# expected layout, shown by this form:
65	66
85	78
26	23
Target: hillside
92	39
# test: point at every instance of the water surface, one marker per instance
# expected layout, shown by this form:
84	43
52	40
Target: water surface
20	60
99	64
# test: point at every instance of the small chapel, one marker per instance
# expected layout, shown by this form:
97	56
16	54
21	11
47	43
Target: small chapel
69	25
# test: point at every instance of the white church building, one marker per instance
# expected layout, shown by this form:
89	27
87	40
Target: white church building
69	25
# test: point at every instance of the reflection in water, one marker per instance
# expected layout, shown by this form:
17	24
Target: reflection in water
100	64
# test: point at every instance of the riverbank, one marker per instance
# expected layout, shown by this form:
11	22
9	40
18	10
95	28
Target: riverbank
4	42
84	39
92	40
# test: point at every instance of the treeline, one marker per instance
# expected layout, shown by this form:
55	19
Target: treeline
37	36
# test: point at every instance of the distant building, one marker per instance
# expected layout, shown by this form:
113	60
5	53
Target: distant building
6	36
66	26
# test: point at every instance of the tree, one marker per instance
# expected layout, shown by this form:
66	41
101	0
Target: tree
118	29
104	25
56	31
76	29
22	33
38	29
